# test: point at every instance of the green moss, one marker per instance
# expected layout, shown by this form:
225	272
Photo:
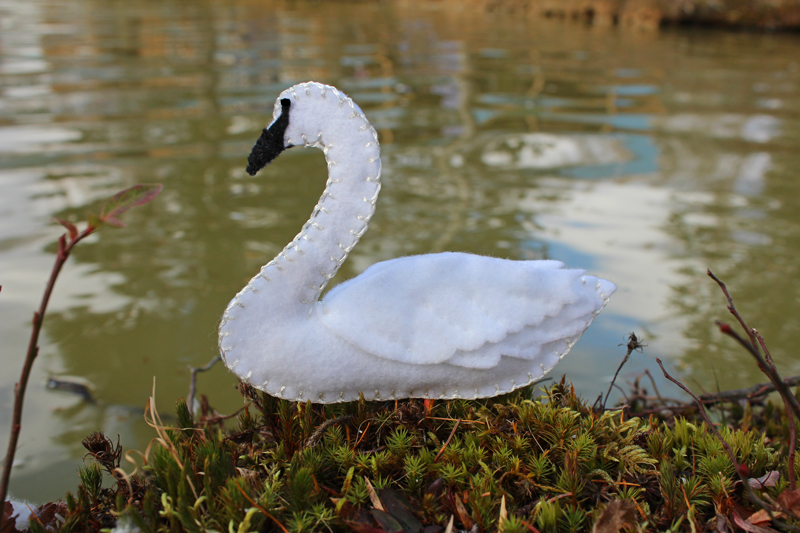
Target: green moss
550	462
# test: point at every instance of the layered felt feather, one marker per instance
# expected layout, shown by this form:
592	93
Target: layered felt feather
462	309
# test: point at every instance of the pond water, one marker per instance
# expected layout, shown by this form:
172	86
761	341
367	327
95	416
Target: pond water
644	157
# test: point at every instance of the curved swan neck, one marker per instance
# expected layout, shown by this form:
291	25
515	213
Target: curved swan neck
323	117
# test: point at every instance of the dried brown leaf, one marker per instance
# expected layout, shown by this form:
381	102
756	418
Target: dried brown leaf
501	523
767	480
750	528
9	519
463	515
723	524
616	515
790	500
762	517
449	528
50	513
363	528
373	496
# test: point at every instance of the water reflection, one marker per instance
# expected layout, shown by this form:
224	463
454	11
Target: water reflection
643	157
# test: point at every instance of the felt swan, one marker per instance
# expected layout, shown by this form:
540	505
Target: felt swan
446	325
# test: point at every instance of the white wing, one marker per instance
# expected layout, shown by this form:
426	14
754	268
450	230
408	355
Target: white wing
463	309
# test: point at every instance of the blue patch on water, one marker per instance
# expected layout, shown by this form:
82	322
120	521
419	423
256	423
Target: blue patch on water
483	116
644	161
621	121
628	73
632	90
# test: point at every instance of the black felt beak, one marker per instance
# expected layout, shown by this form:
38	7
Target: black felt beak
270	144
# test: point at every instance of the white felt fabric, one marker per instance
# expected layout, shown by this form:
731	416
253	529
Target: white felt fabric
459	308
436	326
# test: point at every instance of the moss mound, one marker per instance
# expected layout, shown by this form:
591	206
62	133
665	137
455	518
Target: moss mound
513	463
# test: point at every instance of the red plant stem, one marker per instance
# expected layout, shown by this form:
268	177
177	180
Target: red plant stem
767	355
64	249
732	309
767	366
708	420
633	344
792	428
792	444
455	427
611	386
772	373
264	511
741	470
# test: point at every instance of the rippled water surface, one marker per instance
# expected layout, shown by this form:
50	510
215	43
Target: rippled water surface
643	157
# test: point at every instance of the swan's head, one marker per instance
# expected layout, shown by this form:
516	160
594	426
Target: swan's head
272	141
309	114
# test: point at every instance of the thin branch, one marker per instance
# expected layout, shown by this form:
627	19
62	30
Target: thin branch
455	427
216	419
633	344
193	383
756	392
705	417
263	511
116	205
767	366
792	427
767	355
64	249
771	372
792	444
655	389
611	385
732	309
741	470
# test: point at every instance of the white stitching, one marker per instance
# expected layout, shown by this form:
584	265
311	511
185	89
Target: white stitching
326	197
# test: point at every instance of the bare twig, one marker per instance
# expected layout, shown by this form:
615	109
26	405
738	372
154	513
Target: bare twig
705	417
455	427
792	427
741	470
115	206
767	355
732	308
765	365
263	511
633	344
193	383
655	389
766	368
64	249
217	418
792	444
756	392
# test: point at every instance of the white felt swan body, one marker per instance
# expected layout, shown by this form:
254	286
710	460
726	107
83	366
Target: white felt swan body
446	325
